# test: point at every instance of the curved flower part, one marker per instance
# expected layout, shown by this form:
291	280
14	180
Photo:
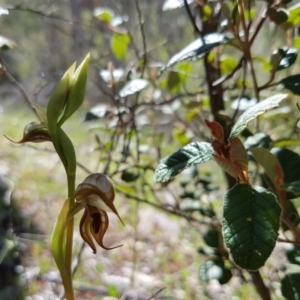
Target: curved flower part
96	195
35	132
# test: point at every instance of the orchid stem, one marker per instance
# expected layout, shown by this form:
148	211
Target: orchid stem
69	241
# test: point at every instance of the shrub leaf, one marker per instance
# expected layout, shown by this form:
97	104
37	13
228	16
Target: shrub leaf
253	112
292	83
132	87
197	48
250	224
192	154
290	286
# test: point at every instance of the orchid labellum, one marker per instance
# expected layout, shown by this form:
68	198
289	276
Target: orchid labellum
96	195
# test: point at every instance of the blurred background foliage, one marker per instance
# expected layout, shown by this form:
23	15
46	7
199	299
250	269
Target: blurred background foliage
123	129
48	41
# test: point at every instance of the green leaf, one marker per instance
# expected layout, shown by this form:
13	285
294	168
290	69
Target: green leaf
3	11
294	14
227	64
190	155
172	4
208	251
283	58
113	291
197	48
177	79
250	14
293	255
117	20
41	112
180	135
296	42
117	75
292	83
104	14
192	205
288	57
290	287
285	143
243	103
97	112
275	113
250	224
132	87
206	13
235	16
58	241
268	1
214	269
260	140
126	189
291	213
226	12
296	202
254	111
270	164
174	82
292	187
6	44
184	67
207	212
119	45
260	59
290	163
277	15
212	238
130	175
66	152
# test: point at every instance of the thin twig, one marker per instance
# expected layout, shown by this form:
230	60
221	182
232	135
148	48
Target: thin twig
135	246
156	293
78	257
50	16
170	210
288	241
242	91
169	101
252	39
55	17
192	19
141	25
246	48
228	76
11	79
260	286
164	208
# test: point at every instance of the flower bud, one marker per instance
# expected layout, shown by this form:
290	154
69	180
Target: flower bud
76	90
57	102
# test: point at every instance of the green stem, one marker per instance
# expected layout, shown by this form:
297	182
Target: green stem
68	286
66	152
69	241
